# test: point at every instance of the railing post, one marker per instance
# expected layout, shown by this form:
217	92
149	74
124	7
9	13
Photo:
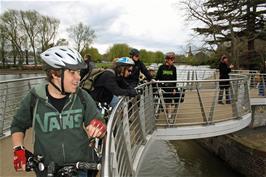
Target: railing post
203	113
2	114
214	102
150	108
234	91
113	161
127	133
29	85
142	118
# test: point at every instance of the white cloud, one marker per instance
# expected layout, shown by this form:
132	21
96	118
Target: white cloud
150	24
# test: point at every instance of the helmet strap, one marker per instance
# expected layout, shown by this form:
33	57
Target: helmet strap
62	90
56	87
62	82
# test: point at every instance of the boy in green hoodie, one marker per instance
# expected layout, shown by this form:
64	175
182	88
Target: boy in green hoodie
63	115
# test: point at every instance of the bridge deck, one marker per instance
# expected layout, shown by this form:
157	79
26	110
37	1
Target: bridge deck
6	157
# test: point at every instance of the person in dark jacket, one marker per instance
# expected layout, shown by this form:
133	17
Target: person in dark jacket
167	72
139	66
90	65
111	83
224	70
62	123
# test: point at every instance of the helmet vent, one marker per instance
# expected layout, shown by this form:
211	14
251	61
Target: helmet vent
58	55
71	56
71	50
63	49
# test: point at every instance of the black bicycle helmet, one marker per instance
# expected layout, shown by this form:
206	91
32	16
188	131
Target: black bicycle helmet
133	52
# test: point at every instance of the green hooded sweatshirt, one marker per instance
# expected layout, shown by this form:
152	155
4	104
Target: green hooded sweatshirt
59	137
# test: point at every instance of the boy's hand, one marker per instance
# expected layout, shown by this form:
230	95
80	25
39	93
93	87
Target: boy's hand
96	129
19	158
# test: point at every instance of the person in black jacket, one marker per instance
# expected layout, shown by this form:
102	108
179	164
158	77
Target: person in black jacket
139	66
90	66
167	72
224	69
111	83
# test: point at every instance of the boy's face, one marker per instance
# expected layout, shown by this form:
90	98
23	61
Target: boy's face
128	71
71	80
170	61
135	57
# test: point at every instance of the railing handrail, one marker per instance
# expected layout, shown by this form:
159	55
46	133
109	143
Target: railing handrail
22	79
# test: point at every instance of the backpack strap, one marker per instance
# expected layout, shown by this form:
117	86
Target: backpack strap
33	108
82	98
111	70
85	78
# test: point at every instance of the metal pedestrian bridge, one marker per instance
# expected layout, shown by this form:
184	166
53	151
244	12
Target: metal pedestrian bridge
135	122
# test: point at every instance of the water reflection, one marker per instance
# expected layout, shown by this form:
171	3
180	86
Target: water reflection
182	159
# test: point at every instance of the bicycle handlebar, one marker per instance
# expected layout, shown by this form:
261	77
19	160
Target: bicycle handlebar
70	168
88	166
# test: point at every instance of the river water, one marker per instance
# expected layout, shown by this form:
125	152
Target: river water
182	159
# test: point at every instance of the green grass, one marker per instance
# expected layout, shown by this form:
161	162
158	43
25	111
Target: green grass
103	65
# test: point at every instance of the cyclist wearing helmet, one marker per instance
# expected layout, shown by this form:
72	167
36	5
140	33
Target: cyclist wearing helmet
90	66
139	66
62	116
167	72
111	83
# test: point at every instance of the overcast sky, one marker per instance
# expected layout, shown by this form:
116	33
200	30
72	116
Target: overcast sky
149	24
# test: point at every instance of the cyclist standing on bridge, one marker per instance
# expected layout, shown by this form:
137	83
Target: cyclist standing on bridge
224	70
62	115
167	72
139	66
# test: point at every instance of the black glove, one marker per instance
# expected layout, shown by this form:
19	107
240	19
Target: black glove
132	92
140	91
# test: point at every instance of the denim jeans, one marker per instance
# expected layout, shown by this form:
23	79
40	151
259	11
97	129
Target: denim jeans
114	101
82	174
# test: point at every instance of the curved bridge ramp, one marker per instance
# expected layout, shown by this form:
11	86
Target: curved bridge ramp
135	122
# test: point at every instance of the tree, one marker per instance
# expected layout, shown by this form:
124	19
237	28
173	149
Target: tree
61	41
231	22
11	30
3	43
30	23
27	29
48	30
151	57
158	57
82	35
95	55
244	26
118	50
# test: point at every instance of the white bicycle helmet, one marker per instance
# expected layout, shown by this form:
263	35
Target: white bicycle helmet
63	57
125	61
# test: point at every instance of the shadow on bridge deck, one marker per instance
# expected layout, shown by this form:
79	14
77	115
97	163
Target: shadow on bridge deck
6	157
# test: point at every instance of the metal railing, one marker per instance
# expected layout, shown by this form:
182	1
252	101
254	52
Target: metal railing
134	120
11	94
